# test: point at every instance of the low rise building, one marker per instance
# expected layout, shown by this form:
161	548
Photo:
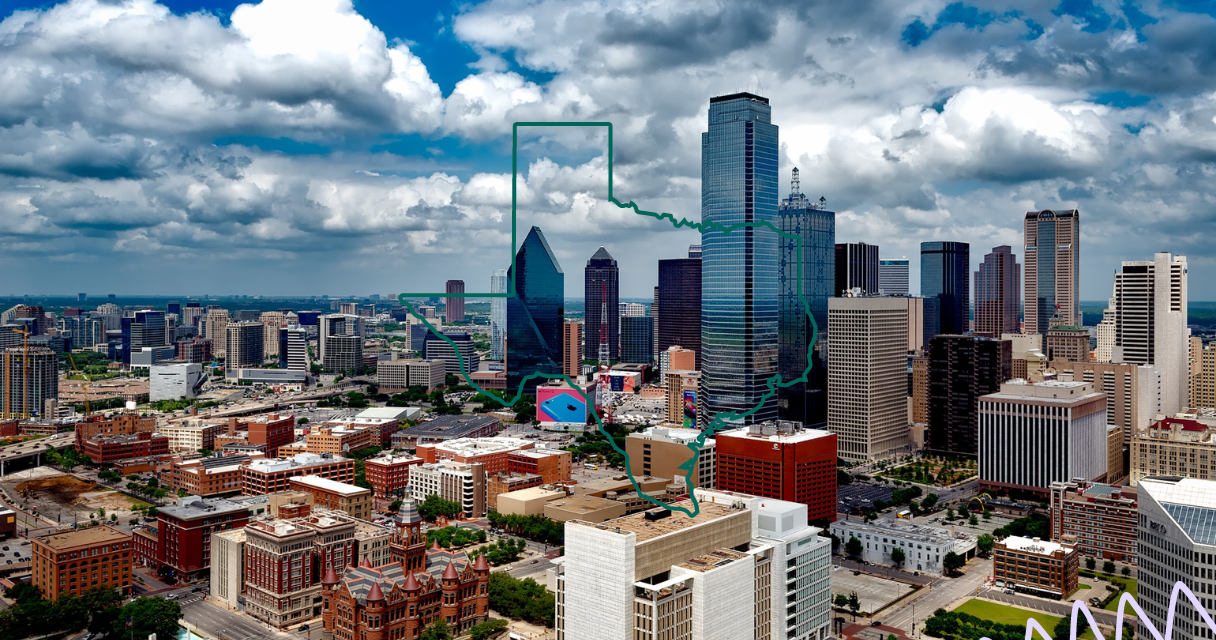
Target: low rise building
184	531
113	426
191	438
174	381
270	475
336	440
924	546
1047	569
394	376
447	428
491	452
552	465
530	501
372	544
338	496
212	476
1183	445
505	482
72	562
1098	519
110	449
389	474
662	451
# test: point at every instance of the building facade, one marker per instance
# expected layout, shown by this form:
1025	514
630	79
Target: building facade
664	452
867	396
680	298
1098	519
1182	445
782	461
28	378
1031	435
637	340
535	313
394	376
856	268
1151	323
572	348
72	562
498	315
945	274
174	381
1053	268
739	269
1175	544
454	304
389	474
601	293
807	279
924	546
961	369
893	277
1030	565
998	283
271	475
454	481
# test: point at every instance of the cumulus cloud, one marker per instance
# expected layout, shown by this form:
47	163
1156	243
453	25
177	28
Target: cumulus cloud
124	129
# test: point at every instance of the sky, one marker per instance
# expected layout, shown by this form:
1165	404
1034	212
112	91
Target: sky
300	147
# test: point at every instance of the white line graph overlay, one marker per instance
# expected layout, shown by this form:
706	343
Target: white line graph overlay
1035	631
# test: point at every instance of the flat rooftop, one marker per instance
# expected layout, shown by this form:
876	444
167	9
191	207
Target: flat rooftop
451	427
673	434
644	529
712	560
905	530
332	486
532	493
191	507
481	446
83	538
755	433
1033	545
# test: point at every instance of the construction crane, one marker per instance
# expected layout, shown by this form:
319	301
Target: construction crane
84	383
25	380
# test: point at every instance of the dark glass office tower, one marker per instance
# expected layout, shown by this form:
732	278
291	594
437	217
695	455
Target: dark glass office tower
945	274
534	314
144	329
174	308
602	297
739	268
961	369
637	339
997	285
856	268
679	320
811	223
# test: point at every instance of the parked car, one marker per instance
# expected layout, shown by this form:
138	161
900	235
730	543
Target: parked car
1009	591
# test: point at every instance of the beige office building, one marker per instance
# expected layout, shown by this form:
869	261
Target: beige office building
867	397
682	387
394	376
1131	390
572	348
272	321
184	438
660	451
1183	445
227	568
217	329
1203	374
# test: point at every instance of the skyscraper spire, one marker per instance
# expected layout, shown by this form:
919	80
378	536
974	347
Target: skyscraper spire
795	186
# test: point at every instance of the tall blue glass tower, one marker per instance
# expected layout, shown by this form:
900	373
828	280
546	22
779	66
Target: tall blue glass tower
739	269
802	219
535	313
945	274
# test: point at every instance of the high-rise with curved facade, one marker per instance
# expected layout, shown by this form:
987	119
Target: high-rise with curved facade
1052	269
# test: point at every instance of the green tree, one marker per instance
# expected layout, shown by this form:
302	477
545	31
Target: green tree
23	593
394	506
973	521
984	544
521	599
840	600
853	546
1126	571
181	493
929	501
147	616
843	478
854	604
949	513
987	514
487	629
1091	564
1108	567
438	630
952	562
898	556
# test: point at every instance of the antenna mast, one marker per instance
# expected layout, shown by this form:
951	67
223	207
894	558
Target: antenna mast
603	351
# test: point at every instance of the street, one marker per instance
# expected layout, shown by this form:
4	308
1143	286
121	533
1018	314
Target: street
219	623
940	594
883	571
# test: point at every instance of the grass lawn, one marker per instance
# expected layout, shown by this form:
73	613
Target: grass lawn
1129	584
1005	614
1084	586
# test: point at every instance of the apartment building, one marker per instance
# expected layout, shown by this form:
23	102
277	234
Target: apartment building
110	449
72	562
187	438
491	452
1098	519
389	474
114	426
394	376
455	481
212	476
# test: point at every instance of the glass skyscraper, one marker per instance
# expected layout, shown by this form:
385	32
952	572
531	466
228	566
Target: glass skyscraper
856	268
679	297
602	297
498	314
534	314
945	274
143	329
637	339
1052	268
815	226
739	288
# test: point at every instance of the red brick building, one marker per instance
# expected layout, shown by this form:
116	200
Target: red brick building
783	461
1099	519
183	533
115	426
552	465
272	475
389	474
110	449
76	561
390	603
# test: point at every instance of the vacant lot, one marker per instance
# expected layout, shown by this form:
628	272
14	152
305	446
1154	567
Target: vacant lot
66	498
873	592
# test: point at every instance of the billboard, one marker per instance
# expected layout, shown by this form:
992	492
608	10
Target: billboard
690	408
620	381
560	405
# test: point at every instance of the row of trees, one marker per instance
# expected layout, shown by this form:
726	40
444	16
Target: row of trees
434	506
449	537
1035	525
502	552
951	562
99	609
964	626
534	527
68	458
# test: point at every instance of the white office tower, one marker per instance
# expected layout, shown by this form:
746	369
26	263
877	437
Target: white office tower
1105	346
1150	323
295	340
744	567
1176	540
498	315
